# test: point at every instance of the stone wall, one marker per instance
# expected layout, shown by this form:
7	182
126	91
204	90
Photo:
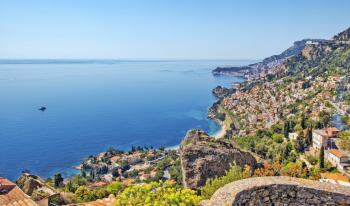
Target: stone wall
279	191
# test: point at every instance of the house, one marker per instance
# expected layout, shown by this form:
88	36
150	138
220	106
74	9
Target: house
337	158
293	136
11	195
323	137
319	139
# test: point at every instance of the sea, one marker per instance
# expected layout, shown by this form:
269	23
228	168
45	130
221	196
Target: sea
92	105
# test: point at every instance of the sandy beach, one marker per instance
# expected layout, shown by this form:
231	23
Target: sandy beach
217	135
221	133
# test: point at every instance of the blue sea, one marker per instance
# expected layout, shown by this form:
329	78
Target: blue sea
95	104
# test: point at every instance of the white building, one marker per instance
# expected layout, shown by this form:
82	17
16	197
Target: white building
293	136
337	158
319	139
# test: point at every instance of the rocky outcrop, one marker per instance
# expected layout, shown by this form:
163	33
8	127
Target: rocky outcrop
203	157
343	36
30	183
221	92
279	191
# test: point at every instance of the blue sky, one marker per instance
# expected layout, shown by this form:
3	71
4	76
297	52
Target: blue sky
175	29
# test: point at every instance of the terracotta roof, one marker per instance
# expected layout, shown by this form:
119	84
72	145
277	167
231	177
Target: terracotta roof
337	153
332	129
13	196
109	201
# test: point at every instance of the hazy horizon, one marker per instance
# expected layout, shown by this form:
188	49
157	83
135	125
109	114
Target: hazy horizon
156	29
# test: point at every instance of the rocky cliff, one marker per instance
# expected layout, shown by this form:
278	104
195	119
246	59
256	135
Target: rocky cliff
203	157
343	36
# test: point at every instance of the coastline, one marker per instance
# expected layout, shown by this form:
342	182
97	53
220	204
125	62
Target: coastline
217	135
221	133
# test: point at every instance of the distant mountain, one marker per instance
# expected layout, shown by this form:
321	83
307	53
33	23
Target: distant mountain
268	63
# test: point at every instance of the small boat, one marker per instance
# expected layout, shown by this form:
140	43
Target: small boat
42	109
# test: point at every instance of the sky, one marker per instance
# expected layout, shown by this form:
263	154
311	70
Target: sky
163	29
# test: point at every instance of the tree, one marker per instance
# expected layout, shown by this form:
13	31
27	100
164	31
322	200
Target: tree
286	129
309	136
300	144
83	173
344	140
58	180
322	158
303	121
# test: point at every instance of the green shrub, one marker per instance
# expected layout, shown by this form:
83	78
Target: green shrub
157	193
235	173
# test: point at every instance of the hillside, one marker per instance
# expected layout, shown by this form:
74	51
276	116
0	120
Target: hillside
307	83
268	63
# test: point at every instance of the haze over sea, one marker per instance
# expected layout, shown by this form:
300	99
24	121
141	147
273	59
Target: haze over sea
95	104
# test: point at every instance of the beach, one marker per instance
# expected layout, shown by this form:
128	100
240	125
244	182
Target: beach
221	133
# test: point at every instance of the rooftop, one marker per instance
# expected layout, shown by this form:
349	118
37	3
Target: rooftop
13	196
337	153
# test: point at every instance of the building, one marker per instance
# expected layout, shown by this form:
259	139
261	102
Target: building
324	137
319	139
293	136
337	158
11	195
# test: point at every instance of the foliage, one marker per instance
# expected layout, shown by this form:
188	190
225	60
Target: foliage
233	174
312	159
300	143
115	188
277	138
58	180
84	194
176	173
314	173
344	140
268	147
268	169
157	193
322	158
294	170
72	185
346	119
